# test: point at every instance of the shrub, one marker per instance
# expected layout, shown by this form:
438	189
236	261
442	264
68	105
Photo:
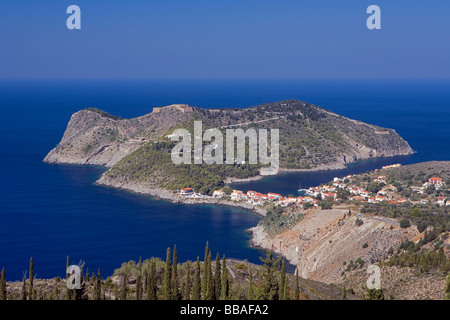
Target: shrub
405	223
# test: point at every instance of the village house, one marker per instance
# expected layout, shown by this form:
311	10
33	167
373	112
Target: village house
440	201
364	193
356	198
435	181
328	188
313	191
236	195
274	196
186	191
331	196
218	194
418	190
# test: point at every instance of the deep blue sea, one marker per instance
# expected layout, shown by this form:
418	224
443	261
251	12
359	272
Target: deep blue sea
49	212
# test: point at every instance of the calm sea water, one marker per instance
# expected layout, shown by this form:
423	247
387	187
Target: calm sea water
49	212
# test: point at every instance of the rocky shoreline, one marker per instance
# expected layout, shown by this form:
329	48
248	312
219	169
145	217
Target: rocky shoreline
175	197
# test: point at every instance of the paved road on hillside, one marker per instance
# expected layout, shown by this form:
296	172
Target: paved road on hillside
379	219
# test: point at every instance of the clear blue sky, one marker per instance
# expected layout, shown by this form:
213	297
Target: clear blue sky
225	39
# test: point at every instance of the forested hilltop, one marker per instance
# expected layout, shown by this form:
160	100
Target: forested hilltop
138	150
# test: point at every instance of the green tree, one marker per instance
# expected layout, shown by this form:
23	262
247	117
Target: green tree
175	289
286	294
187	285
87	276
270	270
224	283
31	278
344	293
405	223
374	294
24	288
297	286
124	289
139	281
98	286
217	278
227	190
282	281
167	286
3	285
151	282
207	283
197	289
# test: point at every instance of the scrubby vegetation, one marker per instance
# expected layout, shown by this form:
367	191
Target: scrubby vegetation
279	218
156	279
422	216
152	165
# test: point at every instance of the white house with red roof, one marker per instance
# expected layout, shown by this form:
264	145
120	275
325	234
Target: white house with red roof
186	191
435	181
236	195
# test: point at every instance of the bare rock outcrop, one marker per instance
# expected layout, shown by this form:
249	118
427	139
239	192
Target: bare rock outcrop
323	240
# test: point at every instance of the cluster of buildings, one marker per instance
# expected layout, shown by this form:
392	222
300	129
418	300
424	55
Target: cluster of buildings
327	192
252	197
257	198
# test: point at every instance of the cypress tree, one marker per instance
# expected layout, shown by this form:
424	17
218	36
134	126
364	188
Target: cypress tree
297	288
68	295
207	275
139	281
197	289
145	284
217	279
24	288
115	292
151	284
224	283
97	286
167	286
187	285
282	281
175	290
87	276
124	289
251	290
270	286
3	285
344	293
286	294
31	293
